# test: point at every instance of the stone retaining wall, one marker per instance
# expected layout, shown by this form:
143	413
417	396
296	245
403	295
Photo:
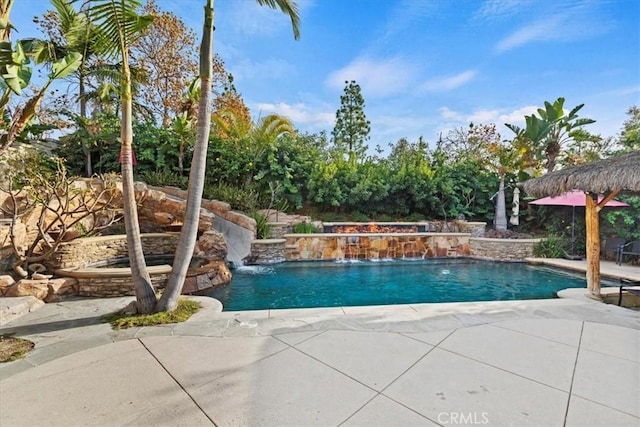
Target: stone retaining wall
267	251
106	287
279	229
475	229
82	252
112	282
307	247
89	250
502	249
73	258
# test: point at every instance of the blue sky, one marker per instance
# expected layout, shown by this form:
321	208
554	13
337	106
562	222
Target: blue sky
425	66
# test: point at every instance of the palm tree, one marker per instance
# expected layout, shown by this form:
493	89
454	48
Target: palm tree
59	69
271	127
184	124
544	136
188	235
117	27
76	35
5	11
16	75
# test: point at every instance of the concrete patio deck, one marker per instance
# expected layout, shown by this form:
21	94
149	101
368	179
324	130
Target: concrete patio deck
562	362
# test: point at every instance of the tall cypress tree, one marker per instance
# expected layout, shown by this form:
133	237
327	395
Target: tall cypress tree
352	127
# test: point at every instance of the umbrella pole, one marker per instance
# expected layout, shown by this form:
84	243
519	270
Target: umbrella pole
573	227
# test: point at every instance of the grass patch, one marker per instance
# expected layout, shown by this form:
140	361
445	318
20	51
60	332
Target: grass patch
186	308
13	348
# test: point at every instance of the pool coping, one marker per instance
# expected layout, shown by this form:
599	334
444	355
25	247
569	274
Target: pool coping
607	268
576	294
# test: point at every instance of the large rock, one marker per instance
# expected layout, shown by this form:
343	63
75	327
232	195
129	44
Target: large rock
163	218
5	282
211	245
241	220
161	208
60	287
26	287
213	274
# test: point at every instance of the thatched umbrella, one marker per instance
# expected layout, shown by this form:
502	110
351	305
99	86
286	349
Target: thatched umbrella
607	177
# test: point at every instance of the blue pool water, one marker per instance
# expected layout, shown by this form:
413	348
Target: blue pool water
332	284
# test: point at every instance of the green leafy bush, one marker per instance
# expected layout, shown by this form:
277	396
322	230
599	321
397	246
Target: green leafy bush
385	218
625	222
263	228
245	199
165	177
414	217
331	217
551	247
358	216
306	228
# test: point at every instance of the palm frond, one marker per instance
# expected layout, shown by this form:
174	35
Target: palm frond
66	13
288	7
118	24
270	127
75	27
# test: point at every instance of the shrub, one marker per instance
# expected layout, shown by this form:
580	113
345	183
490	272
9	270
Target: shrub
385	218
551	247
245	199
414	217
306	228
263	228
358	216
161	178
330	217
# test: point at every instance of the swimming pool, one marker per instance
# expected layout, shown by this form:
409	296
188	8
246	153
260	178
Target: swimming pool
334	284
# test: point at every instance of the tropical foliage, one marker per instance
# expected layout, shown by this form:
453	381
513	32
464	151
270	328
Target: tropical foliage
196	132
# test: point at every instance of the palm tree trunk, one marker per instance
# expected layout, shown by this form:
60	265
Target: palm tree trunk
83	114
189	233
145	294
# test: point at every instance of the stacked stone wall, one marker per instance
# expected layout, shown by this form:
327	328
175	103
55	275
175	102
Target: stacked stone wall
306	247
278	230
475	229
267	251
502	249
83	252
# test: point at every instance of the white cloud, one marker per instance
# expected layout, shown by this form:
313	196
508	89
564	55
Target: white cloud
484	116
516	117
407	12
453	119
500	9
449	114
450	82
487	116
377	78
300	114
568	21
548	29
